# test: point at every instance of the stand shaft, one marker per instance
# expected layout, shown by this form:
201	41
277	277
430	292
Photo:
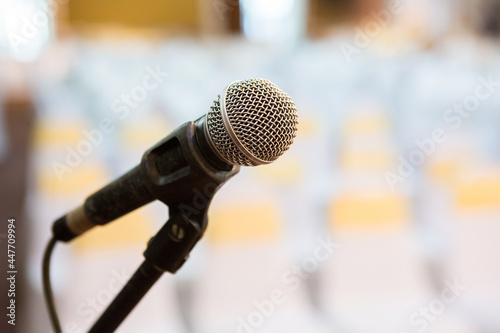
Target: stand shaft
135	289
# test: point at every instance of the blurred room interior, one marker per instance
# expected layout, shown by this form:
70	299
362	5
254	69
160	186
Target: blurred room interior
396	161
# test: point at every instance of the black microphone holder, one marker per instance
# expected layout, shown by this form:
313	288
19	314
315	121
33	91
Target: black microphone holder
187	190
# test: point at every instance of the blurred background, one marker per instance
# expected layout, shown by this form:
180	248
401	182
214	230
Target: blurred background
384	216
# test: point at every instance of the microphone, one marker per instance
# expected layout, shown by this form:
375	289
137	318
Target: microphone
253	122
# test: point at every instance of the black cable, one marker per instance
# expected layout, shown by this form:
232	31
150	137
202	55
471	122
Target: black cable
47	287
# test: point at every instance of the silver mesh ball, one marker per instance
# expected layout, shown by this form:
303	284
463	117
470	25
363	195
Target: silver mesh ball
255	123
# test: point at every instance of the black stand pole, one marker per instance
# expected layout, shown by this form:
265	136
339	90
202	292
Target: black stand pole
166	252
135	289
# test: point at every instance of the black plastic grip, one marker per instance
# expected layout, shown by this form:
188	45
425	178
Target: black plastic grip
118	198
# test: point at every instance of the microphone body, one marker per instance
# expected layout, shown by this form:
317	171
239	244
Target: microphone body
251	123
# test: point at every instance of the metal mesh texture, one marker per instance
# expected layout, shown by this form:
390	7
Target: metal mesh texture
263	117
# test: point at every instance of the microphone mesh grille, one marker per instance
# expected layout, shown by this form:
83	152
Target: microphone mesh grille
263	118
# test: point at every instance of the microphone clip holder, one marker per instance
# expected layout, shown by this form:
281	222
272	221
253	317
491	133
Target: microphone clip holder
169	249
187	188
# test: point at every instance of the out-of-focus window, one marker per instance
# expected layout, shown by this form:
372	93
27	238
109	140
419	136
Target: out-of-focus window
279	21
26	26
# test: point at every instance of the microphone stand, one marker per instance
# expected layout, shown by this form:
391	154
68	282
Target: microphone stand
166	252
186	183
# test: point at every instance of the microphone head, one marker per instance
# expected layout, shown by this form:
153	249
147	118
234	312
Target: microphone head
253	122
